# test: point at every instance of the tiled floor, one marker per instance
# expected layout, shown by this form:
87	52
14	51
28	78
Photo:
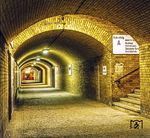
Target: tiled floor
76	119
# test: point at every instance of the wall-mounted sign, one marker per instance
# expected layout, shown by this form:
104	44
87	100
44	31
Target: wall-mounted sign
119	68
124	44
104	70
70	69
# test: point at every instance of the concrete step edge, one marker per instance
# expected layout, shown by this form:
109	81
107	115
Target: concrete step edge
125	110
133	101
137	90
134	95
127	107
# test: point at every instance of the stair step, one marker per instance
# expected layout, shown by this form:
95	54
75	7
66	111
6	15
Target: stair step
127	107
125	110
134	96
137	91
132	101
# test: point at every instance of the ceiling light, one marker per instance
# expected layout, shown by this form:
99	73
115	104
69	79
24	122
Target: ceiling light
34	63
38	59
45	51
27	70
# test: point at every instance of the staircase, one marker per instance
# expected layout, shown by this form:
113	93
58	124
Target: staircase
130	104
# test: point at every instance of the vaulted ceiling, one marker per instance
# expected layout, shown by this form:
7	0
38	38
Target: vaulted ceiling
133	16
73	44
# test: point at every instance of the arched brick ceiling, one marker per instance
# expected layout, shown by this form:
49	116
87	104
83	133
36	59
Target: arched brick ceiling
33	60
35	67
131	15
73	43
39	64
54	59
36	42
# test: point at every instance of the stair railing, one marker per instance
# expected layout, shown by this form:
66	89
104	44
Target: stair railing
118	81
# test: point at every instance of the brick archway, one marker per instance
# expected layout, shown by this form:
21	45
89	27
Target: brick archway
100	30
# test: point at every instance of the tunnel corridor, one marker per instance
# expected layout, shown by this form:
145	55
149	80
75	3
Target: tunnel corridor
74	68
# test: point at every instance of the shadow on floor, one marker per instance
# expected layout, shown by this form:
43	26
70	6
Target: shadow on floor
45	97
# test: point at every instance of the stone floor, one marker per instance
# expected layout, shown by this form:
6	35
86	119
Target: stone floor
76	119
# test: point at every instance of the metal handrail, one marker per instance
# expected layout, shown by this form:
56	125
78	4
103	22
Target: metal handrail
118	80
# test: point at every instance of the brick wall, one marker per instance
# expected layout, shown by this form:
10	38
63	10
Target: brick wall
3	87
145	79
87	79
84	79
105	79
78	81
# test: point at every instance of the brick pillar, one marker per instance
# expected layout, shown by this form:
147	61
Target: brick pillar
145	79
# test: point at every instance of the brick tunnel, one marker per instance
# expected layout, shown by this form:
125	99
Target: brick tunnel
67	67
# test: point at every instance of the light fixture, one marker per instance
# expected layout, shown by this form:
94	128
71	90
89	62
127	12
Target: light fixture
38	59
45	51
27	70
34	63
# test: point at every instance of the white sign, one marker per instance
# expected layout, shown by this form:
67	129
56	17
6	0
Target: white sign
124	44
70	69
104	70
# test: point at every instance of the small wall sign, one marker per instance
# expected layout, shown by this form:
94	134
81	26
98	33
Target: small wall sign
104	70
70	69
